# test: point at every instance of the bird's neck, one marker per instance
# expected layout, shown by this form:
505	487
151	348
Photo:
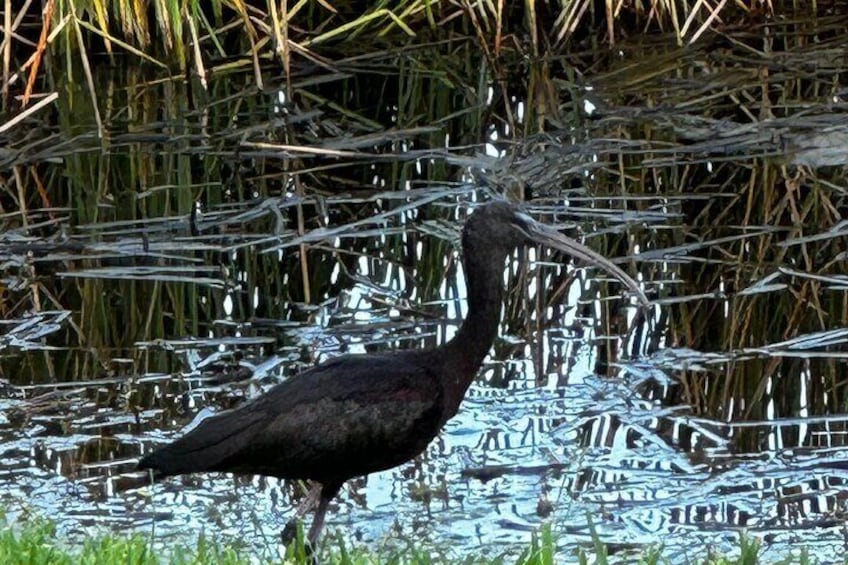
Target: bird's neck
465	352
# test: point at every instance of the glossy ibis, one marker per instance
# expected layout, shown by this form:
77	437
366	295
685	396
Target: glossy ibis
358	414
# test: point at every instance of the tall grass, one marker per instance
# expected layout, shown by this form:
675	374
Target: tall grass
193	36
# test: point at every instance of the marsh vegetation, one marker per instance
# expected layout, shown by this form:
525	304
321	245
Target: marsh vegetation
201	199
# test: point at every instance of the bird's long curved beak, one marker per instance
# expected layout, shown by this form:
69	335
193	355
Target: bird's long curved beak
546	235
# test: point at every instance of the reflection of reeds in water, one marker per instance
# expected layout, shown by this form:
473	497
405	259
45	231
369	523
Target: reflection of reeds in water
214	227
219	240
701	162
759	230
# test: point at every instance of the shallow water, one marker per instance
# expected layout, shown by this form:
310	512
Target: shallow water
139	305
541	436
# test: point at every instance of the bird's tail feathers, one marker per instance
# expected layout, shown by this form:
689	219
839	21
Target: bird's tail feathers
204	448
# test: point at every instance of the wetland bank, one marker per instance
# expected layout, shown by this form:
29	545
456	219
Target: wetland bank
189	218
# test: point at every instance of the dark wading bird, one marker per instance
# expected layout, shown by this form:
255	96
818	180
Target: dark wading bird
358	414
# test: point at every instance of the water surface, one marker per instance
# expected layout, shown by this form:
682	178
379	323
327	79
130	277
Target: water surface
169	276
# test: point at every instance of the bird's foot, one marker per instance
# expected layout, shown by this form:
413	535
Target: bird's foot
292	536
289	532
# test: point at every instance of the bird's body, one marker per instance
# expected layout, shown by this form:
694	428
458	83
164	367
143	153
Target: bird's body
347	417
358	414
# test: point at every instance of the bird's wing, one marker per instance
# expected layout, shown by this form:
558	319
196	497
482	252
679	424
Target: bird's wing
347	417
213	440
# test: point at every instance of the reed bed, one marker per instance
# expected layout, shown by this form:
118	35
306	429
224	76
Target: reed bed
195	187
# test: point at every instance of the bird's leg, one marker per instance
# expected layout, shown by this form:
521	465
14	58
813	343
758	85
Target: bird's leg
315	530
309	502
317	523
328	492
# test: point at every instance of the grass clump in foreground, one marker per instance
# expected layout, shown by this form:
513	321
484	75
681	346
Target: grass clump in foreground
36	543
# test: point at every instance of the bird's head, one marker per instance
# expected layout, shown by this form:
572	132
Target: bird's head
496	228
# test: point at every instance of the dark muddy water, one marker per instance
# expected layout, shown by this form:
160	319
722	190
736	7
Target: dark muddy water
181	276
